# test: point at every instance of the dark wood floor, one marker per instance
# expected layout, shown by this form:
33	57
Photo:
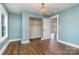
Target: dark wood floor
40	47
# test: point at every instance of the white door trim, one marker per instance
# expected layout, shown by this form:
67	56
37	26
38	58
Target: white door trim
57	16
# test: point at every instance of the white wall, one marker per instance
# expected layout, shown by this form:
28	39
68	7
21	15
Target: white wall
46	28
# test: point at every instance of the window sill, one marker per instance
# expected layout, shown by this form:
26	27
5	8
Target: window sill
2	39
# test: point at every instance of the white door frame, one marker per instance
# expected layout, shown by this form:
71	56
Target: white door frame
29	27
57	22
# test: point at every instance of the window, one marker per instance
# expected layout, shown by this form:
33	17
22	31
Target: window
3	24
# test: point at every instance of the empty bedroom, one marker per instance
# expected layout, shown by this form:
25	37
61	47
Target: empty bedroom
39	29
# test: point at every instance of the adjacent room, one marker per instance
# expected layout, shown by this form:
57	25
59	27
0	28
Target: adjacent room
39	29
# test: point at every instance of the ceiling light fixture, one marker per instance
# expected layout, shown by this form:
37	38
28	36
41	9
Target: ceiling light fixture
43	8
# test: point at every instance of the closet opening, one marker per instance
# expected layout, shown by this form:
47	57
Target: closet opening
35	29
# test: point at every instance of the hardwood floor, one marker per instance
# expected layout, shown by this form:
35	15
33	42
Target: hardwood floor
40	47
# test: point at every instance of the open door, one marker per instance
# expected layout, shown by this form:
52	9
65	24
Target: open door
54	27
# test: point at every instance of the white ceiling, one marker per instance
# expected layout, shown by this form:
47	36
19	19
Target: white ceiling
34	7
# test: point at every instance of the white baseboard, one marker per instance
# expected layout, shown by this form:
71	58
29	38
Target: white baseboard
12	40
3	49
24	42
5	46
69	44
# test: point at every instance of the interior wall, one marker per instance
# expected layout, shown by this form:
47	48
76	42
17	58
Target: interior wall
15	26
35	27
25	24
69	25
3	43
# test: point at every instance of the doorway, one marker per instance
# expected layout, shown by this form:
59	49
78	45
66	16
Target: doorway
35	28
54	27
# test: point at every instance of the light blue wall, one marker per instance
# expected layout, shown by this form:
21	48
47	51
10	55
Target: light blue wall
3	43
15	26
25	24
69	25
